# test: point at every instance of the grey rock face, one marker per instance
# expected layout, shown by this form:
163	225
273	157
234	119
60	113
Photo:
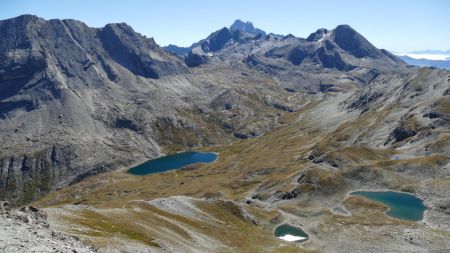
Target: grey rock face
217	40
132	51
25	177
194	59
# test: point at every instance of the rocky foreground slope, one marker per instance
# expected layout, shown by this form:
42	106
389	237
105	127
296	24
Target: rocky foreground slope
298	123
27	230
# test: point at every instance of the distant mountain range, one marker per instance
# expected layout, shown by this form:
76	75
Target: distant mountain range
445	64
342	48
431	58
431	52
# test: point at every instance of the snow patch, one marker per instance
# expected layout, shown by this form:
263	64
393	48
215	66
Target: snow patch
291	238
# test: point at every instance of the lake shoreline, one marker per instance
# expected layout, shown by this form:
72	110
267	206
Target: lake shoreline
385	202
172	162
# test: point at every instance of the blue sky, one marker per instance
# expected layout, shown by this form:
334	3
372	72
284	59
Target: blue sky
397	25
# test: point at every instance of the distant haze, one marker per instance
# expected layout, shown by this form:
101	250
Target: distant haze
428	56
402	26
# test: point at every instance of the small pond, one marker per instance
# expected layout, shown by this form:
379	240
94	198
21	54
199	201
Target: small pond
172	162
290	233
402	205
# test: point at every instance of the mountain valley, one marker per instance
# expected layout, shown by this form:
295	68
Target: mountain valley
298	124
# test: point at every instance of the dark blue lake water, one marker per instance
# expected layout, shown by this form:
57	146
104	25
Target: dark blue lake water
172	162
402	205
290	233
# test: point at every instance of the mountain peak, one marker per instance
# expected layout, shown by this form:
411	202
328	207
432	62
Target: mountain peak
246	27
120	28
350	40
26	17
345	27
216	40
241	25
315	36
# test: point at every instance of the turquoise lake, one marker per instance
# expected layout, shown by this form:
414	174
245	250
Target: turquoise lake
402	205
172	162
290	233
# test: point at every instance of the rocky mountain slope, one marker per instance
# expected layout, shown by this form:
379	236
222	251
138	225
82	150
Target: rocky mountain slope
298	123
77	100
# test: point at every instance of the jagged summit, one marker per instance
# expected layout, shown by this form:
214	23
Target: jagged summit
239	31
246	27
